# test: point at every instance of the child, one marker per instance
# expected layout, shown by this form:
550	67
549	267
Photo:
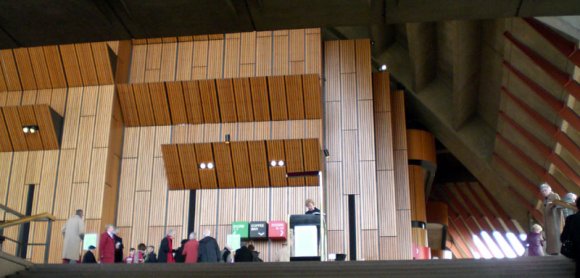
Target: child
89	257
131	258
535	241
150	256
141	249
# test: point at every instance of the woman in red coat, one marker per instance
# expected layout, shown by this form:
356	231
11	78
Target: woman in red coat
107	245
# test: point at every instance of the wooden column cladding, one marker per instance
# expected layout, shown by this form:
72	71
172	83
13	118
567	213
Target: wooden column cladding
241	164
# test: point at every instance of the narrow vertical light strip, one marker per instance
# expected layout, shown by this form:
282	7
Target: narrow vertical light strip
504	245
497	253
481	247
516	243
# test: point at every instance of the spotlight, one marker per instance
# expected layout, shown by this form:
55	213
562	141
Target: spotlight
25	129
202	166
326	153
32	129
227	138
273	163
210	165
383	67
280	163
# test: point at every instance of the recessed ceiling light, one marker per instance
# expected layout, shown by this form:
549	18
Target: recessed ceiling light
32	129
25	129
281	163
273	163
209	165
383	67
202	166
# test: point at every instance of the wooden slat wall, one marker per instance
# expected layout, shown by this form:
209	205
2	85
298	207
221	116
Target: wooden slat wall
359	137
66	178
49	67
230	56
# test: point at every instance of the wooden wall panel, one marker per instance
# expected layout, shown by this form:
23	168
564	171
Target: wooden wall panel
209	101
55	66
275	150
350	162
227	102
5	145
24	69
158	209
172	165
168	61
294	161
128	105
348	101
10	70
223	165
177	104
189	167
161	104
312	159
193	99
294	97
143	104
39	68
277	94
259	163
145	163
89	103
71	65
17	137
312	96
260	100
84	147
102	62
366	138
204	154
86	64
241	164
243	99
27	117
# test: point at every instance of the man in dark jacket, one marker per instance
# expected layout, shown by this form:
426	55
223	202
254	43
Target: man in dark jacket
209	250
165	254
89	257
572	232
243	255
179	257
118	248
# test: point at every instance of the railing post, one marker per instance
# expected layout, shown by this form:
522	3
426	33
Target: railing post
47	244
19	242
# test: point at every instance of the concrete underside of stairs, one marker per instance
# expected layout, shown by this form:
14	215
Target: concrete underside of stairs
528	267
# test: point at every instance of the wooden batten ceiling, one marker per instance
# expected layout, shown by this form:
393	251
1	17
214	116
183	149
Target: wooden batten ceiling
49	67
14	118
241	164
275	98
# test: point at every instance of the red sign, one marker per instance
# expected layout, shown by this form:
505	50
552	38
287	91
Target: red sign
277	230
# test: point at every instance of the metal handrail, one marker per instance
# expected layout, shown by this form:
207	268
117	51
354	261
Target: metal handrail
22	220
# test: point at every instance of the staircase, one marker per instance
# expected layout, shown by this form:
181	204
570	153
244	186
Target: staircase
522	267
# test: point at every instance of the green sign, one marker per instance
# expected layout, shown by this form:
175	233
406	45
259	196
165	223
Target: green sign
240	228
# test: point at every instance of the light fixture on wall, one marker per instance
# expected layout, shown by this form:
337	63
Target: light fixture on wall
206	165
383	67
228	138
30	129
277	163
326	153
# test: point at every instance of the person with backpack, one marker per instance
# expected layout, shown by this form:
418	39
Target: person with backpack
570	238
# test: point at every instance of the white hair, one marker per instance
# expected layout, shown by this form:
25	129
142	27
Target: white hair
536	228
570	197
169	232
206	233
192	235
545	186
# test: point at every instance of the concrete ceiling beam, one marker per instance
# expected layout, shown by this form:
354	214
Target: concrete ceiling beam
466	54
422	42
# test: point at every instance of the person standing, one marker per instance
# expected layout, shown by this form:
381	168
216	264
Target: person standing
107	245
118	247
552	220
311	208
535	241
243	254
190	249
89	257
73	232
150	256
209	250
226	255
165	254
571	232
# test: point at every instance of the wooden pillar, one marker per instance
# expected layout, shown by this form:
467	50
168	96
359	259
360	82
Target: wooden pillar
437	213
421	151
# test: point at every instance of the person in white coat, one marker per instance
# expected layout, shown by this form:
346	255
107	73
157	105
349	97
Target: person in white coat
73	232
